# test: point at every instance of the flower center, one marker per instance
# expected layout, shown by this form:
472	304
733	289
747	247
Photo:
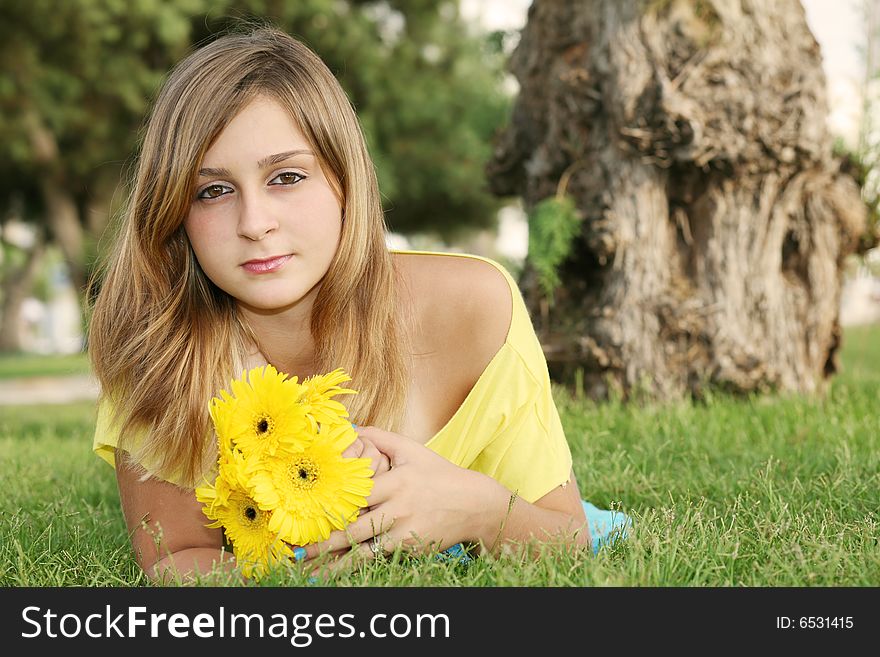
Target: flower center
304	474
251	517
263	424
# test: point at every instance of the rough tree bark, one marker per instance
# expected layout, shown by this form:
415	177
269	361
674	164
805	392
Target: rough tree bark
715	218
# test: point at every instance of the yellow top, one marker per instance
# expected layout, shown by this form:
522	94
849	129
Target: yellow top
507	427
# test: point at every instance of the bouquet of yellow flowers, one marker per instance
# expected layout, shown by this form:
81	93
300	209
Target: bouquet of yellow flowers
281	478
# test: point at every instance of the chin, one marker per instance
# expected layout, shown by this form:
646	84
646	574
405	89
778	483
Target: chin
283	300
271	305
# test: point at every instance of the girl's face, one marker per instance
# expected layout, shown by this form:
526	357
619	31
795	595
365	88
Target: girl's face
265	222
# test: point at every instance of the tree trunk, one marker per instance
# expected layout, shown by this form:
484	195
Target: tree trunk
714	217
17	284
62	213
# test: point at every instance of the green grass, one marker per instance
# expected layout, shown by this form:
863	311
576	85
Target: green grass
60	522
766	491
24	365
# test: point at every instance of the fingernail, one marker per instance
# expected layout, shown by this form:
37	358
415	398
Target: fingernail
312	580
299	553
354	426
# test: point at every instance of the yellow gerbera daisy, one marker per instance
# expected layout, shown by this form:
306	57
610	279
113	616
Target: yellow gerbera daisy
232	474
316	393
313	492
222	410
261	414
256	547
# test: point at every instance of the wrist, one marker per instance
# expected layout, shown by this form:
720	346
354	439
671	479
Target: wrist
491	503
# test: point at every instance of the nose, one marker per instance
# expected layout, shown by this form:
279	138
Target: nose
256	219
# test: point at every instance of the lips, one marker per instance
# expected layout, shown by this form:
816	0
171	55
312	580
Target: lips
266	265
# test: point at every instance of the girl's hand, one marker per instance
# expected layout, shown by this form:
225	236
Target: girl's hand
365	448
423	503
379	463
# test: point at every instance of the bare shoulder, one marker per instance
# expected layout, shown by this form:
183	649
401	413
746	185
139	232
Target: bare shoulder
466	299
461	311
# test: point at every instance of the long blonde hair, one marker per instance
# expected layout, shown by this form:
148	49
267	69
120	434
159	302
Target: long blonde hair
163	339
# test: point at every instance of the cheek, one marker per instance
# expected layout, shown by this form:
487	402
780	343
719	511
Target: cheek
206	241
322	221
326	231
204	232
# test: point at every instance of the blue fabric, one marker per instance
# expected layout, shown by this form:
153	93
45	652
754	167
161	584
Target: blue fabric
606	527
455	553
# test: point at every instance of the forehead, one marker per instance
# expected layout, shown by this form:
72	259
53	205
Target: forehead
262	126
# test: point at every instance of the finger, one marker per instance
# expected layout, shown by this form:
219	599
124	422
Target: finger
376	521
392	444
384	485
360	553
364	528
391	541
327	557
332	557
349	560
376	547
355	450
362	448
379	462
373	523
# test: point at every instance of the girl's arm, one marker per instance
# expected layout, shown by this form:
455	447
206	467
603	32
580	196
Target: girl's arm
558	515
167	527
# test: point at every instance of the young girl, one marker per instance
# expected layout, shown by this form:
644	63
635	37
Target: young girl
254	234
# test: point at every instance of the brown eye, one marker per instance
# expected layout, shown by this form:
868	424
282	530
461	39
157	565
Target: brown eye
214	191
286	178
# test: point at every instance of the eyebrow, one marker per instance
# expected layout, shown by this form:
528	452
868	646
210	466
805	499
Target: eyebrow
269	160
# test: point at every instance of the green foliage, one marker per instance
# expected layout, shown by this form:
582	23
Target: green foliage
85	70
553	225
77	79
427	89
863	167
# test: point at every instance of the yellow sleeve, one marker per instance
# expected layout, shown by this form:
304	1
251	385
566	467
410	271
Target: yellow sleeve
106	439
536	457
529	453
106	442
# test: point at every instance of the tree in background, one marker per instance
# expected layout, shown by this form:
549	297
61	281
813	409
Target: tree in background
686	143
77	78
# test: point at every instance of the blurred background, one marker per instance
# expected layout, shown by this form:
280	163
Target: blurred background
430	80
